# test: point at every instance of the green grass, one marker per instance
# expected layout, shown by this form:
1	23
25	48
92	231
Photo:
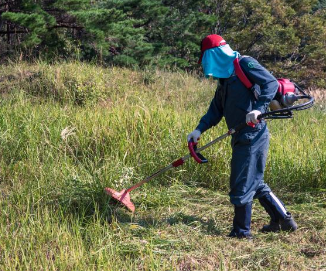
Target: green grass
69	130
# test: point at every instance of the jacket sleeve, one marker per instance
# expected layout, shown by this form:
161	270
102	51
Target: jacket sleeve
266	82
214	113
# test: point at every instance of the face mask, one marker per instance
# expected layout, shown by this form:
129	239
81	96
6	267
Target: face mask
218	62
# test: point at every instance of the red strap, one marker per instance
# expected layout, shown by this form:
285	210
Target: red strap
239	72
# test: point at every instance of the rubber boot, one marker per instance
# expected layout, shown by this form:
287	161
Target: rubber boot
242	221
280	218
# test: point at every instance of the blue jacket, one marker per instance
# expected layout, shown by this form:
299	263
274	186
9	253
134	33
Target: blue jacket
233	100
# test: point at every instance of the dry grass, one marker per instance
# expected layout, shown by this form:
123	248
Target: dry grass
319	94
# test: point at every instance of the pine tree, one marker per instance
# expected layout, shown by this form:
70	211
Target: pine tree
108	32
34	19
173	28
37	26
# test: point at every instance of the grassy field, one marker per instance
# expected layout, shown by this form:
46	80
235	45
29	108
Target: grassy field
69	130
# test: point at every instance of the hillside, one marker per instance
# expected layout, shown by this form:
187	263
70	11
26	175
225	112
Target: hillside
69	130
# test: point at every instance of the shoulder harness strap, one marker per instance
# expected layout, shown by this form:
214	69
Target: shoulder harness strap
241	75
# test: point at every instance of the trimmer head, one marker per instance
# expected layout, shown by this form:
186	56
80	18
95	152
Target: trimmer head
123	197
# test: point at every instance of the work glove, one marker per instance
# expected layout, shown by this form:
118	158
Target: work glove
252	116
194	135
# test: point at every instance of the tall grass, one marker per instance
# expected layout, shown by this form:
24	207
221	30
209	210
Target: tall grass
69	130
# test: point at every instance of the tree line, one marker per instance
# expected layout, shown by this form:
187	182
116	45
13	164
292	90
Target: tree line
288	36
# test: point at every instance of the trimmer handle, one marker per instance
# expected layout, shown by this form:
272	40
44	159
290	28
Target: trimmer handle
199	158
253	125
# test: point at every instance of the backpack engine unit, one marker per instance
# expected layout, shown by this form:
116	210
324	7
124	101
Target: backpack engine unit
287	94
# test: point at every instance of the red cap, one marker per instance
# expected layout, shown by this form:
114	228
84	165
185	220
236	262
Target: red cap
210	42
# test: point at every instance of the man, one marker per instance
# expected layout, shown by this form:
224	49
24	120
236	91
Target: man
238	104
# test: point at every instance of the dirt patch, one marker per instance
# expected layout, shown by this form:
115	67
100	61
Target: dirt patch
311	252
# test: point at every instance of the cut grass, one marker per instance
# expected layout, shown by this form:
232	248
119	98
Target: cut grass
183	228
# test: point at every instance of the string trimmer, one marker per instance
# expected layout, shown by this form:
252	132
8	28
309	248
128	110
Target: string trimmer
123	196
